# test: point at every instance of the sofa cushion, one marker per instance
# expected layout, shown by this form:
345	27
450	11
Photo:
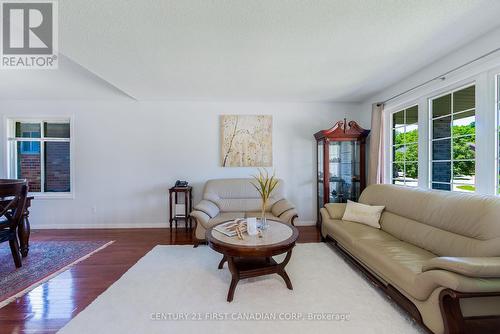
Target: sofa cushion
347	232
232	195
470	215
363	213
397	261
335	210
435	240
447	223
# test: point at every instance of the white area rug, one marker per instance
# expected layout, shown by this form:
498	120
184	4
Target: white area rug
171	282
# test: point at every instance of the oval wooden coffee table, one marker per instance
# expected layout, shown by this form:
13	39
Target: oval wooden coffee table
252	256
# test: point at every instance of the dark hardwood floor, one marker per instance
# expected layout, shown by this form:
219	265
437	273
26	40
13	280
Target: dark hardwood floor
50	306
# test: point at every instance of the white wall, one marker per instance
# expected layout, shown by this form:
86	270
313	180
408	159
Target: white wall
127	154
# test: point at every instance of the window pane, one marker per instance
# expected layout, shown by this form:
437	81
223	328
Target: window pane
398	118
464	123
411	173
441	172
398	170
464	187
57	167
441	186
400	182
28	164
441	106
411	134
56	130
441	128
464	172
405	146
398	136
411	152
441	149
27	130
464	148
498	87
464	99
412	115
398	153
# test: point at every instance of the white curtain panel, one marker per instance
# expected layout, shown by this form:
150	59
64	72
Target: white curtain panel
376	157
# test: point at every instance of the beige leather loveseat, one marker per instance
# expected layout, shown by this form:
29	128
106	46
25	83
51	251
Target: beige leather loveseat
227	199
437	253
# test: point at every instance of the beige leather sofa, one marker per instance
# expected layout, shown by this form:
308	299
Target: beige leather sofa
439	251
227	199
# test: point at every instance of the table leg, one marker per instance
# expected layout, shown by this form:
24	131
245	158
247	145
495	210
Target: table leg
186	209
23	232
221	263
175	202
14	248
170	210
190	208
281	270
234	280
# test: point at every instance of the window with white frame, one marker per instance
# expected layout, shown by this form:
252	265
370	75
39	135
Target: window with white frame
405	147
40	151
452	140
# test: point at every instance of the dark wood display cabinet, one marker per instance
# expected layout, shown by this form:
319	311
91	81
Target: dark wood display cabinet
341	165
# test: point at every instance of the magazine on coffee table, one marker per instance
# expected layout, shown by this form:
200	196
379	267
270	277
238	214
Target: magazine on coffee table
229	228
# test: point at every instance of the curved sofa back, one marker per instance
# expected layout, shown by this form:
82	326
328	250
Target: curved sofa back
445	223
238	195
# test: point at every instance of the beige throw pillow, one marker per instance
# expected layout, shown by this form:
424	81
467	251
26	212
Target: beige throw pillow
362	213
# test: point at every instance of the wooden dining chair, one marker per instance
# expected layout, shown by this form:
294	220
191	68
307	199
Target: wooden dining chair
13	194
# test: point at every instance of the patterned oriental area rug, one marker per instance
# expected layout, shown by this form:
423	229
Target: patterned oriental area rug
45	260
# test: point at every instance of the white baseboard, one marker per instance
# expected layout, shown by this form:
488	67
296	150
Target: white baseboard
100	226
132	225
299	222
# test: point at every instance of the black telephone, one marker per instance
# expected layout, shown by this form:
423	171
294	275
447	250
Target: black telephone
180	183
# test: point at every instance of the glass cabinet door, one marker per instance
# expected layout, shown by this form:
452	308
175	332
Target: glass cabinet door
344	170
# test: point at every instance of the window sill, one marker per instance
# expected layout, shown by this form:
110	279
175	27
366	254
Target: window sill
52	196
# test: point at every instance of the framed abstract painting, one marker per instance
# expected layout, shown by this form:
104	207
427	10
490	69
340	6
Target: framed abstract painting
246	140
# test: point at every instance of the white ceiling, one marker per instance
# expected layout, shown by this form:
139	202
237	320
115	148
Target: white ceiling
288	50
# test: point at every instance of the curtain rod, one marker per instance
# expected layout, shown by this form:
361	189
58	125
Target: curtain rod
439	77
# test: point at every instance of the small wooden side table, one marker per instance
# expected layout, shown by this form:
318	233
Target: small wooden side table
175	194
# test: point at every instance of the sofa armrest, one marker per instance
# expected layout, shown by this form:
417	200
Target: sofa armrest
207	207
281	206
468	266
335	210
201	217
289	216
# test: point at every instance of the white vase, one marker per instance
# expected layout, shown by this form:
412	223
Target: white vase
252	226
